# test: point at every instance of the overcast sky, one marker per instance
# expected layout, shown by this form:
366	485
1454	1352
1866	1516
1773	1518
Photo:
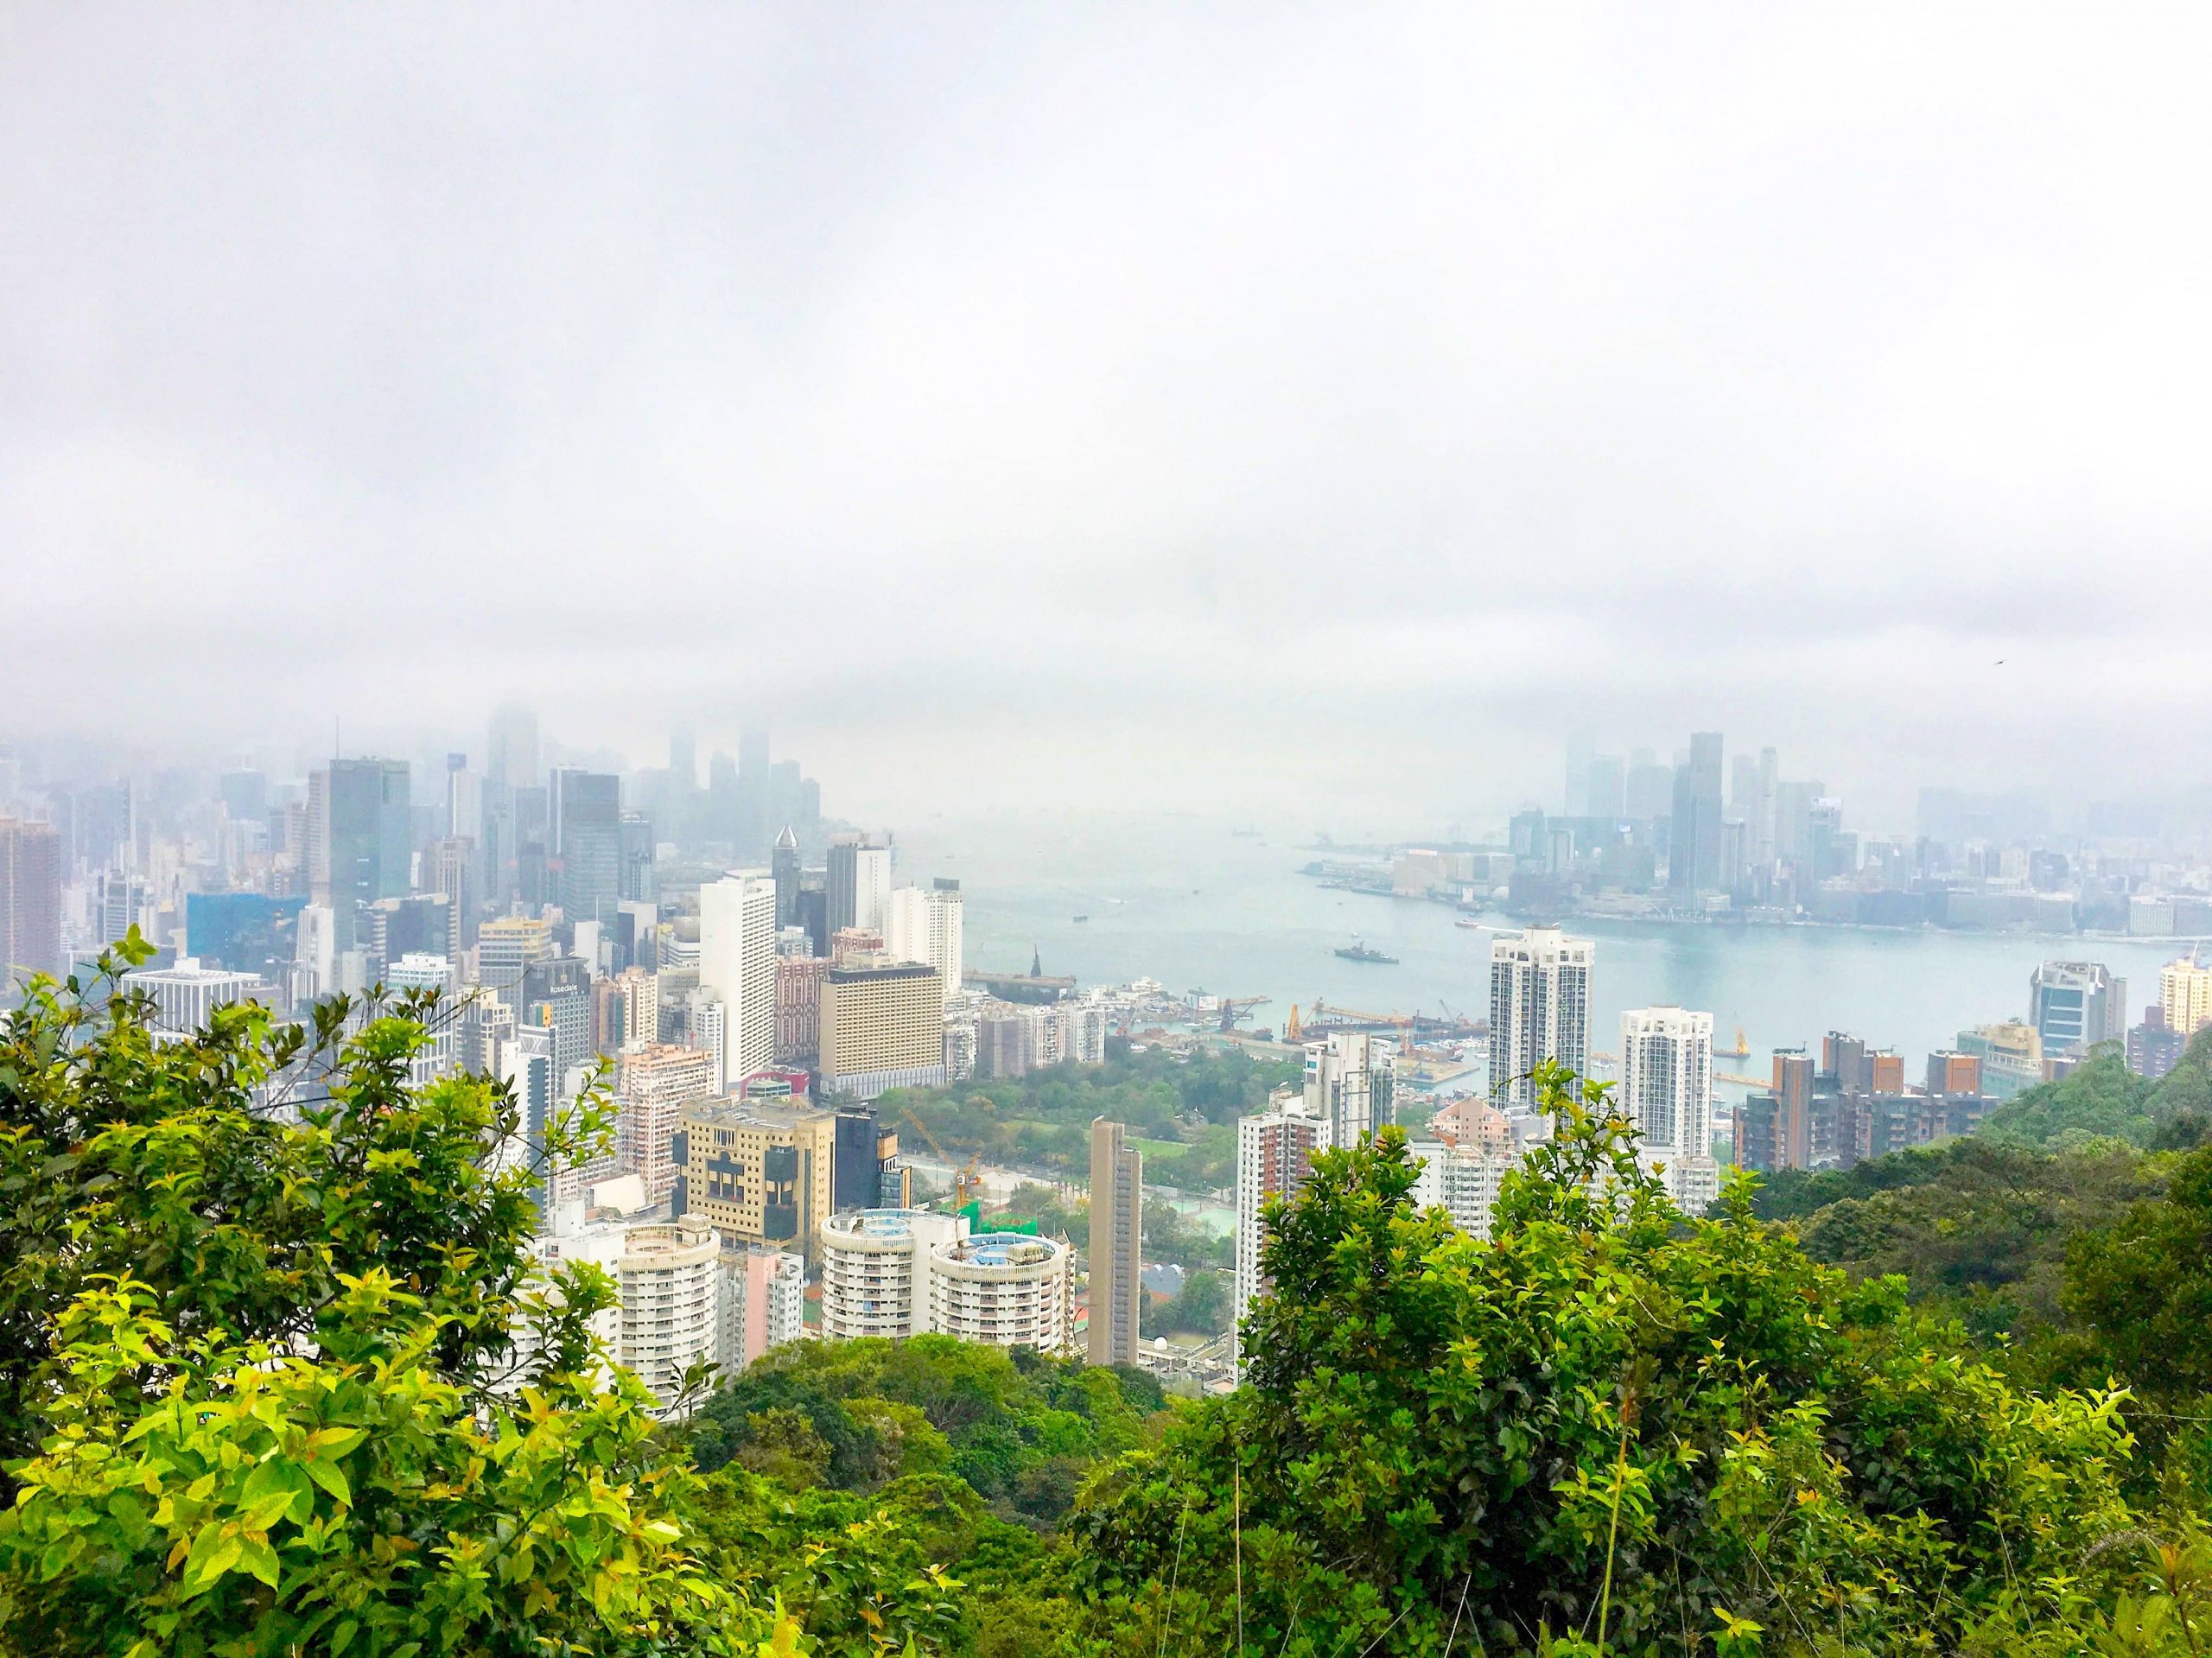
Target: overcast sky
1332	406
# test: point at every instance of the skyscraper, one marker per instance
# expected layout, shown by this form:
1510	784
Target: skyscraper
512	752
859	884
782	864
1539	1009
588	816
926	924
1116	1243
30	902
2185	996
752	789
2075	1005
1348	1080
1666	1091
1274	1153
1693	848
361	837
737	967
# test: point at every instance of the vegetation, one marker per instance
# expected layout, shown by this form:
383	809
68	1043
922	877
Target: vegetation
1186	1105
275	1387
2100	1098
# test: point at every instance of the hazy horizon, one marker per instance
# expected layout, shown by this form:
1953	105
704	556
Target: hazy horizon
1317	414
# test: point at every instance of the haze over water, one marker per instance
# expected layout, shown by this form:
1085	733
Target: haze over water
1181	900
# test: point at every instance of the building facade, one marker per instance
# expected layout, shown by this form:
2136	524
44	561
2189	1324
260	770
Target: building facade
1349	1079
737	967
1116	1252
1666	1059
882	1028
925	925
1539	1009
875	1270
30	902
1008	1289
758	1173
1274	1153
2074	1006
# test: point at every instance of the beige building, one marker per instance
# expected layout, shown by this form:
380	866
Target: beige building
1009	1289
882	1028
657	1083
2185	993
756	1171
1116	1246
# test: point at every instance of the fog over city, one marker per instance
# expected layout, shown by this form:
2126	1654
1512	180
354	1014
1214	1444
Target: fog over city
1286	409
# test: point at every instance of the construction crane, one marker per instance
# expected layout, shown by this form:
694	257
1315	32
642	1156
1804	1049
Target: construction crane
1404	1022
1234	1008
965	1184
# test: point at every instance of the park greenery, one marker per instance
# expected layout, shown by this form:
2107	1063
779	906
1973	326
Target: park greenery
290	1381
1182	1108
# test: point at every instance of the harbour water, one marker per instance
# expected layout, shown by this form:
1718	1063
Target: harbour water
1187	901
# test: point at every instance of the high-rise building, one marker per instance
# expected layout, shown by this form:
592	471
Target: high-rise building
1608	790
798	1007
1009	1289
186	996
859	884
1274	1153
754	784
882	1028
1539	1009
507	949
1666	1091
2185	996
449	869
758	1173
658	1082
587	808
361	837
737	967
526	1063
925	925
2011	1054
512	752
1349	1079
1693	847
1116	1243
875	1271
1464	1162
245	932
638	881
2154	1048
784	865
2076	1005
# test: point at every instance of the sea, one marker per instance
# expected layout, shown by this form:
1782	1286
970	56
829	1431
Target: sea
1201	903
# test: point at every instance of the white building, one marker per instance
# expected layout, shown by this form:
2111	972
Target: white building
710	1022
872	888
1078	1032
187	995
924	925
1666	1091
1349	1081
1007	1288
439	1056
737	967
670	1278
526	1065
875	1269
1539	1009
1275	1152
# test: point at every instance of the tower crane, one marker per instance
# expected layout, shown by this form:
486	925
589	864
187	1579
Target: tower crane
1234	1008
964	1182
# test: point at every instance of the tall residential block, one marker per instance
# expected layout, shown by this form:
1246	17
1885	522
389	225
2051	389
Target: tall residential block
925	925
30	902
1539	1009
1116	1243
737	967
2185	996
1274	1153
1349	1077
1666	1091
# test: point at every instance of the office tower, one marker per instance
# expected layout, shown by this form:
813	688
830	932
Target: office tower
1539	1010
925	925
757	1171
186	995
656	1082
589	842
526	1064
639	882
1004	1289
2011	1054
564	1010
2185	996
859	884
1608	791
118	897
2074	1005
867	1172
1650	787
2154	1047
1667	1092
511	755
882	1028
1274	1153
450	870
813	912
464	800
1793	820
1693	847
243	932
393	927
1116	1243
362	841
1349	1081
782	864
507	949
1761	820
798	1007
30	902
753	783
530	828
737	966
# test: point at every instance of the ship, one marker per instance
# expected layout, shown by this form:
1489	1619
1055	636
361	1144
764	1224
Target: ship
1083	918
1468	921
1359	951
1741	1051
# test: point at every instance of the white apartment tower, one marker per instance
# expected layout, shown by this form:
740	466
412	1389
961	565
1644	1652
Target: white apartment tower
1349	1078
1539	1009
737	967
1666	1091
924	925
1007	1288
875	1271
